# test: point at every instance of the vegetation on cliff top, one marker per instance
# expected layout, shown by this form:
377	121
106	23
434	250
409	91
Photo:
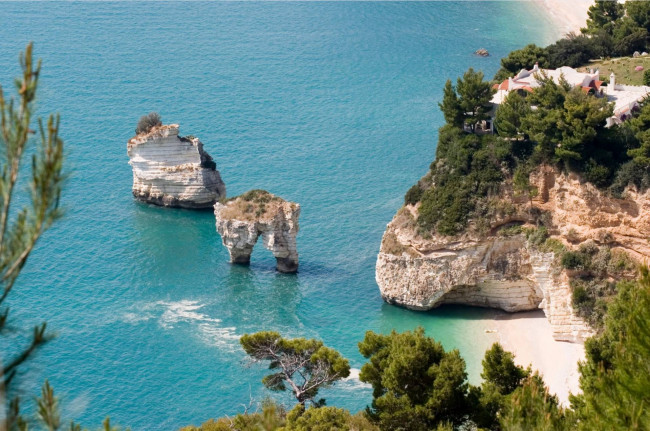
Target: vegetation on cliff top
251	204
555	125
148	122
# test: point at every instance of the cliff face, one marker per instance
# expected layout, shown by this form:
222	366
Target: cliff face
507	272
172	171
241	221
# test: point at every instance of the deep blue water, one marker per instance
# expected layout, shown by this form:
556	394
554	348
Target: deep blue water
332	105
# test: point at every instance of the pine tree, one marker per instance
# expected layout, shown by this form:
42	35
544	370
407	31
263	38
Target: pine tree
474	95
615	378
450	106
604	15
19	234
416	384
304	365
531	407
509	116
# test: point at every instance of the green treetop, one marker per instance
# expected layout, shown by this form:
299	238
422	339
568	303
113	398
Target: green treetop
304	365
604	15
615	378
468	102
416	384
524	58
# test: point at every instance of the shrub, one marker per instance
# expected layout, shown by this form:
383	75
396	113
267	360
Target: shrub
596	174
646	77
317	419
630	173
148	122
538	236
573	260
511	230
413	195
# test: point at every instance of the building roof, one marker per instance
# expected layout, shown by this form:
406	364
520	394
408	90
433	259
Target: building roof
624	97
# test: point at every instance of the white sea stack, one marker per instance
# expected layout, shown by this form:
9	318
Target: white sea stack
173	171
242	220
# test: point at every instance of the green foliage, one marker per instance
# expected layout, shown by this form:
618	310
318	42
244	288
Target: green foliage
583	116
413	195
419	386
474	95
615	378
272	417
48	408
604	15
500	370
450	106
537	237
416	384
510	114
521	182
30	216
257	196
531	407
573	51
467	169
592	287
148	122
646	77
640	126
467	103
500	378
574	260
630	173
524	58
317	419
639	12
305	365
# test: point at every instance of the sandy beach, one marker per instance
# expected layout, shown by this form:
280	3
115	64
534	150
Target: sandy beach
570	15
528	335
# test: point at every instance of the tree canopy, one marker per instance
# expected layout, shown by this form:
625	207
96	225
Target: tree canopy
304	365
467	103
416	384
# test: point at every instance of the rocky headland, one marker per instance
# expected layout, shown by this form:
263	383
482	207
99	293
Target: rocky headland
173	171
242	220
528	257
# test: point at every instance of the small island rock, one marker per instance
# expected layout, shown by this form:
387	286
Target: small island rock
173	171
482	52
241	221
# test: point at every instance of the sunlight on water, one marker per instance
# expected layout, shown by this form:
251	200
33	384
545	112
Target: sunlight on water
332	105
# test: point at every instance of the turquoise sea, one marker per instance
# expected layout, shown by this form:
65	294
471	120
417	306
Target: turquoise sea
332	105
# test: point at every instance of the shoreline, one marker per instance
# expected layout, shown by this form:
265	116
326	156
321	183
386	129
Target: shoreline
566	16
528	335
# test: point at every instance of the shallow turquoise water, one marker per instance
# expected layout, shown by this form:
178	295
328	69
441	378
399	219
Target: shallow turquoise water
332	105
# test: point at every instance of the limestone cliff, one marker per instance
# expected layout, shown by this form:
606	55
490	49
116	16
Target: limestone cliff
242	220
507	271
173	171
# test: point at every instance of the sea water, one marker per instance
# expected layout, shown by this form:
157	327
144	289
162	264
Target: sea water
332	105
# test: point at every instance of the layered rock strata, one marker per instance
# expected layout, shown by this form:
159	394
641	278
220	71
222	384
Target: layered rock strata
507	272
242	220
173	171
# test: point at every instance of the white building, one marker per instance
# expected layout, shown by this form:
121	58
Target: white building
625	98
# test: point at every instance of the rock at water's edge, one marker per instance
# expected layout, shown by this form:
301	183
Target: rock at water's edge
242	220
173	171
482	52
